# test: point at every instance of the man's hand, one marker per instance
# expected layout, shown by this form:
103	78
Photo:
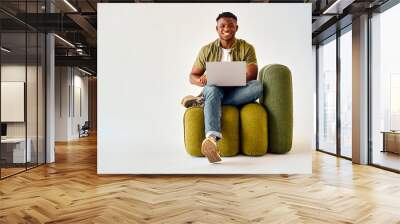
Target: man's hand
251	72
203	80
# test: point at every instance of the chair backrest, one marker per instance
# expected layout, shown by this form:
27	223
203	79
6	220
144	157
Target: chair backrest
86	125
278	101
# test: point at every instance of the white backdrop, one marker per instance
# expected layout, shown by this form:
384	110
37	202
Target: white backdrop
145	54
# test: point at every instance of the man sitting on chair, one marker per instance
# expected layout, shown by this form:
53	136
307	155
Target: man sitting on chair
226	48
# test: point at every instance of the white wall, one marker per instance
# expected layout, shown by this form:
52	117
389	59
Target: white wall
16	73
79	117
146	52
67	85
12	100
61	103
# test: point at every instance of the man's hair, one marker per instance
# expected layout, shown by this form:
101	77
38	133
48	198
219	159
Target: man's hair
226	14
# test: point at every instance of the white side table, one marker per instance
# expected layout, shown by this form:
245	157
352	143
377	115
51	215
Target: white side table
19	149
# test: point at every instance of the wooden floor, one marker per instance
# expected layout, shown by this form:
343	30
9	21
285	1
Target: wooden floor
70	191
387	159
5	172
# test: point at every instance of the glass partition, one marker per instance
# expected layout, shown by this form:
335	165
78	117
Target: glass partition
32	96
32	84
13	104
41	87
22	77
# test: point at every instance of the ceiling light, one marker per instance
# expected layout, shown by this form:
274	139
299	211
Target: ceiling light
70	5
65	41
84	71
5	50
79	51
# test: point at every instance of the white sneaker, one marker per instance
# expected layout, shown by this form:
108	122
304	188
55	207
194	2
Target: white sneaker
192	101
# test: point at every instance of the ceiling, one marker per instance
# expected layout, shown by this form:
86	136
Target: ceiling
76	22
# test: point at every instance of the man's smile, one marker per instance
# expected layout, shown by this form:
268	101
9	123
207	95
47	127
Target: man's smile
226	33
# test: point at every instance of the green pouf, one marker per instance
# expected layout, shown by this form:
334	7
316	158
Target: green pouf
253	130
229	144
278	100
193	123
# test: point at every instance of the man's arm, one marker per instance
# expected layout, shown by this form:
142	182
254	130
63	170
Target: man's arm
251	72
251	61
197	77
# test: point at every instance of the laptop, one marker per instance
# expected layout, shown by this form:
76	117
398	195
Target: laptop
226	73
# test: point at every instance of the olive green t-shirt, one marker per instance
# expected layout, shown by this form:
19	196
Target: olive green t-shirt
241	51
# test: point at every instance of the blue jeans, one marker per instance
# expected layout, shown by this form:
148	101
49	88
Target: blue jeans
215	96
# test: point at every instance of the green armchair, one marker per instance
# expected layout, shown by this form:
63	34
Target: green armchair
252	129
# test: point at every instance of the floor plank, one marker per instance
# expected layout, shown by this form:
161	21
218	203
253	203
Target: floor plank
70	191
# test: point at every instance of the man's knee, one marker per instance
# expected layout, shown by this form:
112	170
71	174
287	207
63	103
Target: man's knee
256	86
212	91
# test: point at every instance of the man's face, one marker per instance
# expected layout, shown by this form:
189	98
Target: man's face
226	28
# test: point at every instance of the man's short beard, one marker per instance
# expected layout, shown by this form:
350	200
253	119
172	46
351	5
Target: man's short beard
221	37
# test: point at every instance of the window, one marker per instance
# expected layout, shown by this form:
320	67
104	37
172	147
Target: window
394	101
346	93
327	96
385	88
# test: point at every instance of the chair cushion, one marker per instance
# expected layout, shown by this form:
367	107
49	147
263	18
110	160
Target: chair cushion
253	130
193	123
230	142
